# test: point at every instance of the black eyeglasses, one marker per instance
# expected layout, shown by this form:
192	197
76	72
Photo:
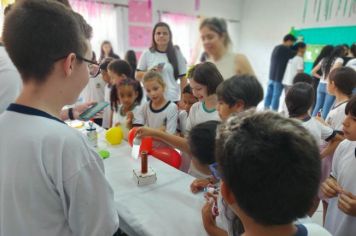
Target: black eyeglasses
94	67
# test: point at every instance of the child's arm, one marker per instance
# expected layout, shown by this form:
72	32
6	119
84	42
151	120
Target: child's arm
129	119
209	221
111	117
332	145
171	139
347	203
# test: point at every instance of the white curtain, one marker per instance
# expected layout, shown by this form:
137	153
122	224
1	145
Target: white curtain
108	21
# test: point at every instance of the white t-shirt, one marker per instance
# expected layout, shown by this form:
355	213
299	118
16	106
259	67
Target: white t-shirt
318	130
294	65
338	60
118	117
226	65
55	182
344	170
151	59
199	114
166	116
107	110
10	80
336	116
182	122
352	64
95	90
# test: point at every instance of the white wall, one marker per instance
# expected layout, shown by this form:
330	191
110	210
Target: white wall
264	23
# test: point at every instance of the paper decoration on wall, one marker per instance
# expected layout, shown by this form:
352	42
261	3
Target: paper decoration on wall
197	5
140	36
324	8
140	11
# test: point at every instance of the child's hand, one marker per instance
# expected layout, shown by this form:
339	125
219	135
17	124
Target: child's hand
207	215
331	188
347	203
117	124
199	185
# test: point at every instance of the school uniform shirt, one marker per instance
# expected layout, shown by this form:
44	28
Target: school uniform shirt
52	182
318	130
120	118
150	59
10	80
95	90
294	65
199	114
166	116
336	116
344	171
182	122
338	60
352	64
107	110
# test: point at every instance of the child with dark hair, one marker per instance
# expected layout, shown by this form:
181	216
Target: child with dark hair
278	151
238	93
126	106
119	70
303	77
299	101
352	62
340	186
188	99
57	171
204	78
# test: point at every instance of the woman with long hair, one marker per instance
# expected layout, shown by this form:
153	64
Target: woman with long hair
166	59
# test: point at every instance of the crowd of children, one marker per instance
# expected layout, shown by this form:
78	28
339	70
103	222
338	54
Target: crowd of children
268	171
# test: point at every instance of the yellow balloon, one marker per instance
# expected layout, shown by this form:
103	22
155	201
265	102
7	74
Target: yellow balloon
114	135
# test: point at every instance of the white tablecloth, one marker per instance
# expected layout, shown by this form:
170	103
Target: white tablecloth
166	208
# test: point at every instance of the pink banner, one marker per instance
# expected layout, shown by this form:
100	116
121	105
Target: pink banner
140	36
140	11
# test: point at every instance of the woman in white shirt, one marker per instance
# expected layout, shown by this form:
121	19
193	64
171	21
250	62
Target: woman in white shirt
324	101
166	59
217	46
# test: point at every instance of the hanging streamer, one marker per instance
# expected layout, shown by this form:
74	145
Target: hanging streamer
319	9
345	7
314	8
330	8
305	10
338	8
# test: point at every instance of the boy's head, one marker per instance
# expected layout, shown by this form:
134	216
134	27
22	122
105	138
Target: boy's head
302	77
201	140
37	34
270	166
48	42
289	40
119	70
238	93
343	80
188	98
349	124
300	47
299	99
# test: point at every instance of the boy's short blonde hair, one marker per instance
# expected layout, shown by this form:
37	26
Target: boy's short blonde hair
153	75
